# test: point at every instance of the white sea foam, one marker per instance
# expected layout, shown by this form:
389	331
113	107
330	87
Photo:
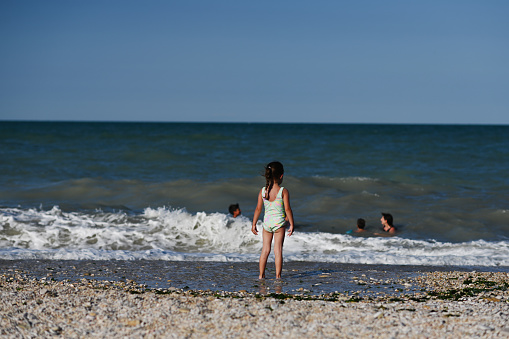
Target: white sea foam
169	234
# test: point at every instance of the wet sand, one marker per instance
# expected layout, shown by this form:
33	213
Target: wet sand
99	299
309	277
156	299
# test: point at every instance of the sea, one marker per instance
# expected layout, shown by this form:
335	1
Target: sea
161	191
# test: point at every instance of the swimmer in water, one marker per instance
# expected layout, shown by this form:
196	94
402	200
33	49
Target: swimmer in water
234	210
361	224
388	227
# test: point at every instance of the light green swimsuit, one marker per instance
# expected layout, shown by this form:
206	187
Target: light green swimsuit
274	217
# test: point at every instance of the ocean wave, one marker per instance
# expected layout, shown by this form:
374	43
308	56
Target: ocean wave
175	234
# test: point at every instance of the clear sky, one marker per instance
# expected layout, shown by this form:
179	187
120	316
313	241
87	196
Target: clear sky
429	61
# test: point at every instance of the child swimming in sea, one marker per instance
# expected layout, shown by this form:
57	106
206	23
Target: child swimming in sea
234	210
278	215
361	223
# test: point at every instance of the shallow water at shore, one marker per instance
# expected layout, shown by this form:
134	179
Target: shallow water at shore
312	278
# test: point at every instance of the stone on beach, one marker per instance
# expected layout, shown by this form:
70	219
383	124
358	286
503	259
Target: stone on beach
453	304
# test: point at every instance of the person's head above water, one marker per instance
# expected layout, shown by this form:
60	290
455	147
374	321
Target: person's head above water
361	223
234	210
388	218
273	173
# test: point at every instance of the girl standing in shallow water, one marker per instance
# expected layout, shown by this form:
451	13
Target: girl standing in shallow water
278	214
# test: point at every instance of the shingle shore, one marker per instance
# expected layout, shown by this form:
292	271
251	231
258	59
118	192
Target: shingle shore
449	305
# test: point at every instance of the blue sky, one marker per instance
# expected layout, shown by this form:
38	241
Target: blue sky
255	61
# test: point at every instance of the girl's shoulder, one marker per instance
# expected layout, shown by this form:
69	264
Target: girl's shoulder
284	191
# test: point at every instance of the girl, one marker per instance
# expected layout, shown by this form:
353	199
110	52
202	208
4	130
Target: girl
278	213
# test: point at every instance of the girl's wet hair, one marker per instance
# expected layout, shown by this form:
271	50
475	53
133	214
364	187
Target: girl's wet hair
273	172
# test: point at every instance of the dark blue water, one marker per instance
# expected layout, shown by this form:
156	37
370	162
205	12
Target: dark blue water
445	184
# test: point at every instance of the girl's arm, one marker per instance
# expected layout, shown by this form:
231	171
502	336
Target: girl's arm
288	210
257	212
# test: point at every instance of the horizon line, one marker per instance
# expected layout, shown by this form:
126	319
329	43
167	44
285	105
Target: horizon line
255	122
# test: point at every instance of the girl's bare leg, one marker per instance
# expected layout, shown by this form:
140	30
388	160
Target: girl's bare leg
279	239
267	242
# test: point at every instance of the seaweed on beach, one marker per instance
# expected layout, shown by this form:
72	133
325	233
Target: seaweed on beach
457	294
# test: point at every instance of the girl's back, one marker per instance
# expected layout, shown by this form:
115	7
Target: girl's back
274	209
273	192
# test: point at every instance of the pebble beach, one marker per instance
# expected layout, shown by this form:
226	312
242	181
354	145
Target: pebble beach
432	304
